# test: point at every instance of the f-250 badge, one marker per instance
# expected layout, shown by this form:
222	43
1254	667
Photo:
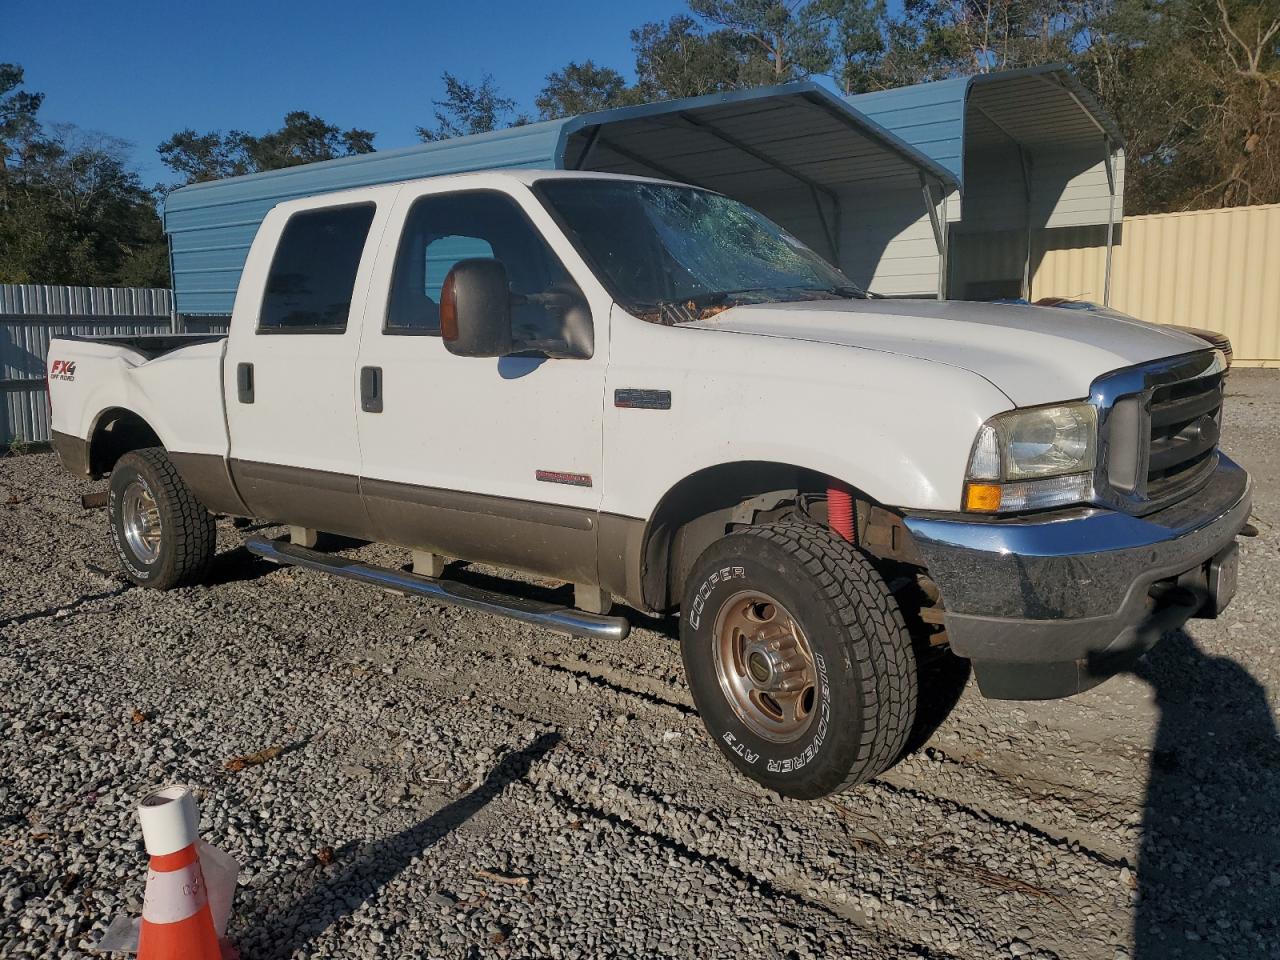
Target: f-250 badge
63	370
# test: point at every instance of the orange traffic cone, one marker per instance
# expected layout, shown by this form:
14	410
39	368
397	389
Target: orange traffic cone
176	921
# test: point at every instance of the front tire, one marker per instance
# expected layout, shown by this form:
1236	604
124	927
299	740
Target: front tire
798	658
163	535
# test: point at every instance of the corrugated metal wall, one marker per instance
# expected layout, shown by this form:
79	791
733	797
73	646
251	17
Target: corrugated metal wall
887	242
30	315
1070	188
1218	269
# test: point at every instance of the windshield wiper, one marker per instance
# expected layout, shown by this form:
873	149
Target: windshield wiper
718	297
701	306
840	290
693	308
854	291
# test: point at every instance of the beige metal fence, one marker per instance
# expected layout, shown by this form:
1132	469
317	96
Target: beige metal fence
1218	269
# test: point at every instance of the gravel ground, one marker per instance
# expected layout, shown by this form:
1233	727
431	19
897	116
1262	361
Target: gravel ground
454	785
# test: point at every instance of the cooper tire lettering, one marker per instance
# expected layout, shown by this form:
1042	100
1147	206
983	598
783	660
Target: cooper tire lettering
704	590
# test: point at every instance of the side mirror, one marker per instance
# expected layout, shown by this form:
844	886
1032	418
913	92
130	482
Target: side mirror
475	309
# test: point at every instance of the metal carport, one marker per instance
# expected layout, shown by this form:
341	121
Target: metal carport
797	152
1032	153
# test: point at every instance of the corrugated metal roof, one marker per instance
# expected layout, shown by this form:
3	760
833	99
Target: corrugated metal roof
929	116
743	143
211	225
797	127
1037	105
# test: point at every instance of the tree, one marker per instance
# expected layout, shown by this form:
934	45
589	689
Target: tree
197	157
468	108
789	36
582	88
679	58
18	110
1195	87
977	36
71	211
304	138
860	43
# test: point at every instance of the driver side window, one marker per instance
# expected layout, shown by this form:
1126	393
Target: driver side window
443	252
548	310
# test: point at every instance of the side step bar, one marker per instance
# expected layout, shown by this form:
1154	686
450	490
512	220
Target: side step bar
558	619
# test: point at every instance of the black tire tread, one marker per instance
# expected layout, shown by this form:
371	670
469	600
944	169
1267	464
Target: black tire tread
866	612
194	532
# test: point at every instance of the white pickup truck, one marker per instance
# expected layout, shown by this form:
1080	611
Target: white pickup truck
653	393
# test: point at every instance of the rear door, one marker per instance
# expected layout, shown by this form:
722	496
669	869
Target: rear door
289	377
495	459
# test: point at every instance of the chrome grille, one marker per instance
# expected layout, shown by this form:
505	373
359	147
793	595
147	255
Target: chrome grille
1159	425
1186	420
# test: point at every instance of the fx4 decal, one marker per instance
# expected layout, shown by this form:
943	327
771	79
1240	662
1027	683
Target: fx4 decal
63	370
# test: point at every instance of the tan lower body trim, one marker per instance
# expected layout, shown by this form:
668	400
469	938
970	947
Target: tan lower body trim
303	497
208	476
545	539
621	553
73	453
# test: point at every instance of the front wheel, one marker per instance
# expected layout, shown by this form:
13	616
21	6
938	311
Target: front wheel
798	658
163	535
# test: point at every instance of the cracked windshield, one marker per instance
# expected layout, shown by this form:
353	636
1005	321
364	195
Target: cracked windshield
675	254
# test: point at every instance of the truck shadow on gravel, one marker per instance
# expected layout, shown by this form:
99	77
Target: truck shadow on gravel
237	566
1208	876
460	571
360	871
63	609
941	679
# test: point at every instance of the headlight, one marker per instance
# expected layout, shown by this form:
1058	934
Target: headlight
1032	459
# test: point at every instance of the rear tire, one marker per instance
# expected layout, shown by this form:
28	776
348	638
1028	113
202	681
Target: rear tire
163	535
798	658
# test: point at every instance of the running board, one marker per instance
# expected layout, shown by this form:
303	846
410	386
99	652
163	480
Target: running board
558	619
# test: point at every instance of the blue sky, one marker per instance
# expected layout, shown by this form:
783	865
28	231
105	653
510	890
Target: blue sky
141	70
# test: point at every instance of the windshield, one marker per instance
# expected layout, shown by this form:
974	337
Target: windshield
673	254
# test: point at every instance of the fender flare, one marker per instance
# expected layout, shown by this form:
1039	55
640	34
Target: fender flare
645	561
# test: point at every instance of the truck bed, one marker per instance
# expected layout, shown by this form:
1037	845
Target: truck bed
150	345
171	382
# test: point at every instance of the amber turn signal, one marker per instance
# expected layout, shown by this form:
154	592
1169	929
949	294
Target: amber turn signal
982	497
449	310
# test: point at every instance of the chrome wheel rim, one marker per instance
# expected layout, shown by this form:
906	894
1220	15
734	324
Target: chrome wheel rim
141	520
765	666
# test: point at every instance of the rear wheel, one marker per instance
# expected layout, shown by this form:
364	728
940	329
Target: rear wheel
163	535
798	659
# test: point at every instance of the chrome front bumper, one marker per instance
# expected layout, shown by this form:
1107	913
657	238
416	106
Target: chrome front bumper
1050	607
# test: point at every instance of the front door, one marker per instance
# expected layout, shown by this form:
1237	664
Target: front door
289	375
493	459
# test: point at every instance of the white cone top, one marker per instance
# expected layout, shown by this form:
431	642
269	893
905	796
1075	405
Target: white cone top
169	819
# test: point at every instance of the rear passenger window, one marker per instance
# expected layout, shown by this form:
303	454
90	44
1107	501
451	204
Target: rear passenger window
313	272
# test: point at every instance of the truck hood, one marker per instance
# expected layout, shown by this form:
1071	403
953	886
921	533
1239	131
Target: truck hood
1032	354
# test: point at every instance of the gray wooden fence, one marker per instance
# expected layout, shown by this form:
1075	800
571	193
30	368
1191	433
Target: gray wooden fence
30	315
